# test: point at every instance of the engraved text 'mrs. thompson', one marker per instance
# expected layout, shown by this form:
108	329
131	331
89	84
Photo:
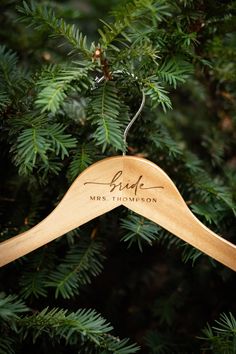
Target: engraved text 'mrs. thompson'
116	184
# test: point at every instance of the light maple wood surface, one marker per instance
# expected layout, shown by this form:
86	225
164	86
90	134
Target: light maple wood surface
139	185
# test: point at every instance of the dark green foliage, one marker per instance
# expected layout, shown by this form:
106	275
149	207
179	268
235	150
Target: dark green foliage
82	261
104	113
56	82
158	344
10	307
59	325
221	337
39	143
83	157
139	230
14	79
80	264
44	18
32	283
68	86
6	346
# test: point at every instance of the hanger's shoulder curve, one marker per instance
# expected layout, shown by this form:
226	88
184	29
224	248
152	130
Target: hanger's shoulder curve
158	199
85	199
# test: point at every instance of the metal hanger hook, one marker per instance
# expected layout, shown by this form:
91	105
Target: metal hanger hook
132	121
98	80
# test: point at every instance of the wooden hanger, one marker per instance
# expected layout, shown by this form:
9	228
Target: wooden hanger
139	185
134	182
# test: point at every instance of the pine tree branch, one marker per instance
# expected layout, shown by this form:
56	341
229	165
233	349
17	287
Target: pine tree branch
140	231
35	145
14	80
81	263
56	82
82	325
7	345
221	339
42	17
125	18
103	111
157	94
83	157
174	72
11	307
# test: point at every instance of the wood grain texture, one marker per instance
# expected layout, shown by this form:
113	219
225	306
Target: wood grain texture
139	185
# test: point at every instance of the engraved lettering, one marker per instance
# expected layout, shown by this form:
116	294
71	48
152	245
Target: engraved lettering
116	184
134	200
100	198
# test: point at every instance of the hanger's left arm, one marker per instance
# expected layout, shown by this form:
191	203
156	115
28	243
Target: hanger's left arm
82	203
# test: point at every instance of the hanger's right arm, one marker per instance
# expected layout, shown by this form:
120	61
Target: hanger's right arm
171	212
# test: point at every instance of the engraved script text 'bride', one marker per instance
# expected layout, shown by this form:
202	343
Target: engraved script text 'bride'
116	184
